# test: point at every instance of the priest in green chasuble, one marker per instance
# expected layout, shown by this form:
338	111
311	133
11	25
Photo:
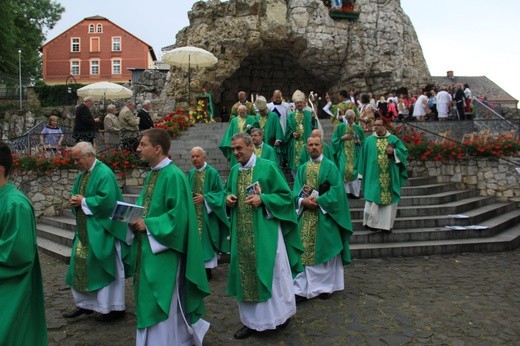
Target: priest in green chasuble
22	320
265	246
346	143
96	274
242	101
242	123
262	149
337	111
382	168
324	225
298	129
269	123
170	281
210	206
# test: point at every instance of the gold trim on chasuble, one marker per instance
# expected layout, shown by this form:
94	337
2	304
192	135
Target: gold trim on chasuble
262	121
81	252
383	163
147	199
298	144
198	187
241	123
310	217
258	151
349	150
246	240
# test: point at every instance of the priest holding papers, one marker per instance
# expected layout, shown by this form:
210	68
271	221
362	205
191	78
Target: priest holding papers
265	247
96	273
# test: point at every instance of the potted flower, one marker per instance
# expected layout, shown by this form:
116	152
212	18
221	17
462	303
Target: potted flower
343	10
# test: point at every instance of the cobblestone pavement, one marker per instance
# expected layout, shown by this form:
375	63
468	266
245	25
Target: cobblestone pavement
463	299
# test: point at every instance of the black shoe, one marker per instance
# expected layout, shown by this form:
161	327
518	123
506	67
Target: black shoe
387	231
77	312
209	275
299	299
244	333
325	296
285	324
111	316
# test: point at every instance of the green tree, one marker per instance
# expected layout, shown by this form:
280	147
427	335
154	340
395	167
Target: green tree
22	27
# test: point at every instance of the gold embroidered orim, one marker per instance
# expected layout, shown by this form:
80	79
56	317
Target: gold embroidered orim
82	245
246	240
198	187
384	171
298	143
241	124
262	121
309	219
349	152
147	199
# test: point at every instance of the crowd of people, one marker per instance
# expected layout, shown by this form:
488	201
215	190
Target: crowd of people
286	245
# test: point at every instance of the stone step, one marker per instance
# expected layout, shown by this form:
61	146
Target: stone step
56	234
494	226
475	217
504	241
56	250
427	189
436	198
63	222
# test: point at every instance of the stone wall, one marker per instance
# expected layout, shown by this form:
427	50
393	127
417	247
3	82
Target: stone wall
495	178
50	194
263	45
491	177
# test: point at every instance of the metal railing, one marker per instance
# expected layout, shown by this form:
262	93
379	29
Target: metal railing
486	116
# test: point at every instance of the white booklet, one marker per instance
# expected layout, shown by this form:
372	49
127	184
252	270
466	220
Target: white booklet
126	212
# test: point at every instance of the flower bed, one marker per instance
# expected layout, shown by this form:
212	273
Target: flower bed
175	123
420	148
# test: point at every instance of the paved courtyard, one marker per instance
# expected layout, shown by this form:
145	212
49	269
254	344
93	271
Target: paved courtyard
463	299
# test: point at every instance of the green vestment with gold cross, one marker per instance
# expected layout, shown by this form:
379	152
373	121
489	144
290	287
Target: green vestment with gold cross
383	177
347	152
254	236
324	236
213	227
93	259
270	126
171	220
301	123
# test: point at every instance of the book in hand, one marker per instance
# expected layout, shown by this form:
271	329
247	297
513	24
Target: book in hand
307	192
126	212
254	189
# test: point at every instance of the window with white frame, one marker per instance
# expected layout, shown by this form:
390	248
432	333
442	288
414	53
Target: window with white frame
116	44
74	44
94	67
116	66
91	28
74	68
99	28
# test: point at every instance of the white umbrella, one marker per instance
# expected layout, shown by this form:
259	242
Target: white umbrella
105	90
189	57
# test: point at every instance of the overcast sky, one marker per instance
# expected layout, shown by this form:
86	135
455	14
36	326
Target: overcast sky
470	37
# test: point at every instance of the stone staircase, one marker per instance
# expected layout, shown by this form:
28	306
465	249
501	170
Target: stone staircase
418	230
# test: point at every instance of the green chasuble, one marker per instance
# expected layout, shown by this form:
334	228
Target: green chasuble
324	235
22	319
340	109
270	125
254	236
382	176
234	110
236	125
327	152
300	122
92	263
266	152
171	220
346	152
213	227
